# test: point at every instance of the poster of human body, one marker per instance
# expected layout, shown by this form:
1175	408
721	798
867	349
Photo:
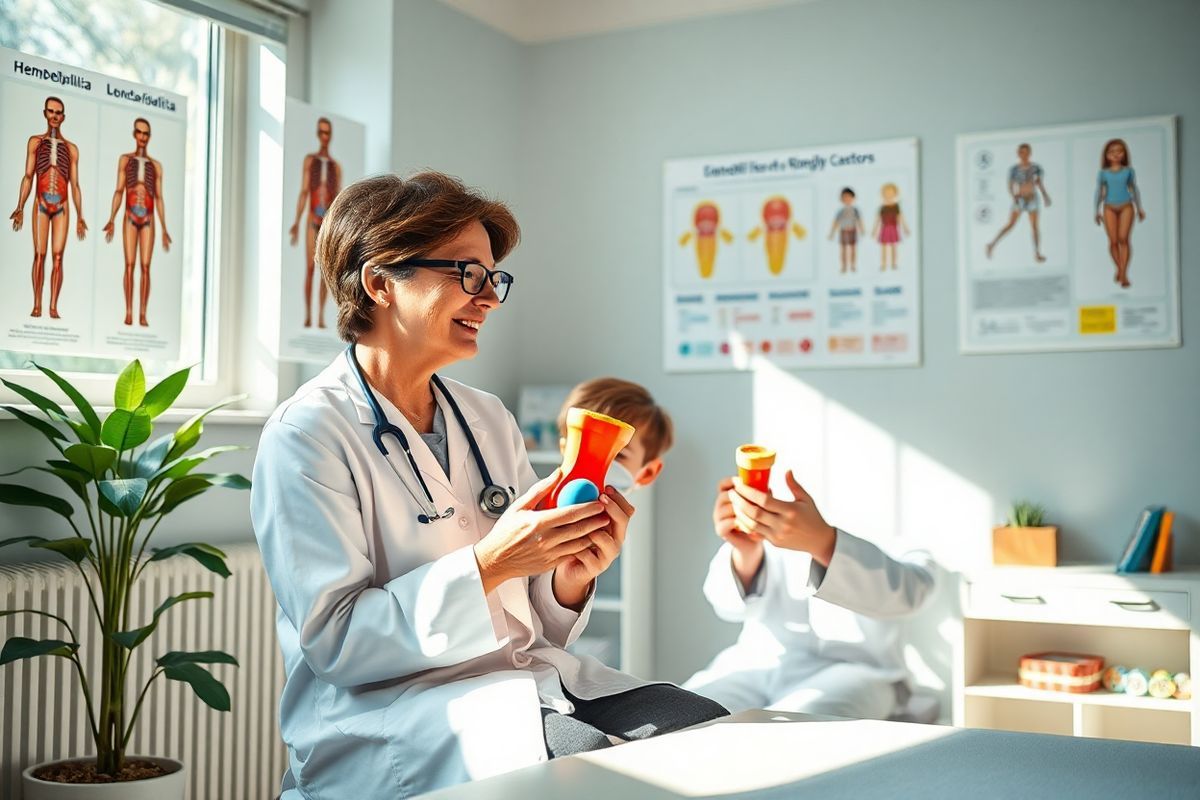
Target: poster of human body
1068	238
321	153
805	257
96	167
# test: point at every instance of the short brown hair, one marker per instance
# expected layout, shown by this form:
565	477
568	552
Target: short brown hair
629	402
385	219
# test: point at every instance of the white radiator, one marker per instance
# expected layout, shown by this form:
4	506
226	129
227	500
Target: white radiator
228	755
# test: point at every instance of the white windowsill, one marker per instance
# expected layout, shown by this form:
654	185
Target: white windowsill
222	416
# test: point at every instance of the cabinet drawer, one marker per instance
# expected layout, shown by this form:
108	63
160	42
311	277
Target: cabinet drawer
1130	608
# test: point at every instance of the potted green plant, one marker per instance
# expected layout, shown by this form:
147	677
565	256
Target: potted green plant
1026	540
124	484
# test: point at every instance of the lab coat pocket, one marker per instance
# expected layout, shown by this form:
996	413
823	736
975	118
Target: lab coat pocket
349	757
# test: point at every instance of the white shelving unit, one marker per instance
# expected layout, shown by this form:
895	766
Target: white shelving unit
1139	620
619	632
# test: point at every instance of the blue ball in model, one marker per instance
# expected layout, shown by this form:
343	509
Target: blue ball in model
580	490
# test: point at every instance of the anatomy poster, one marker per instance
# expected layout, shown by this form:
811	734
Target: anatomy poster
1068	238
93	251
806	258
322	152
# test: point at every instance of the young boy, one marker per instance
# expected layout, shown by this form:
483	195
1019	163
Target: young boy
640	463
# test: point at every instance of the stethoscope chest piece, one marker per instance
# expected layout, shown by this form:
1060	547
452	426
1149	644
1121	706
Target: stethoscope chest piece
494	500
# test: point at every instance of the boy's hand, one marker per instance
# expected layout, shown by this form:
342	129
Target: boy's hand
747	547
574	574
795	525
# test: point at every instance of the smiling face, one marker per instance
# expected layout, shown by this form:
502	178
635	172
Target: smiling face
432	313
1115	154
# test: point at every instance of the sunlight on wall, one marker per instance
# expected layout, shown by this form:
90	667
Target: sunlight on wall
863	479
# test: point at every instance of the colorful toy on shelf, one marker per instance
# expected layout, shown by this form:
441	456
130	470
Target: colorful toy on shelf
1137	683
1162	684
754	464
593	441
1183	686
1114	678
1064	672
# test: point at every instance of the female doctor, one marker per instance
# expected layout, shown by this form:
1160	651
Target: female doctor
424	606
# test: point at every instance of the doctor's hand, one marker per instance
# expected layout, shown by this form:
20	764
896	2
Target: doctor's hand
574	574
791	525
527	542
747	547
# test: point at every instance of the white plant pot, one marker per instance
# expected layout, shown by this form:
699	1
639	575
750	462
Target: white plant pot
165	787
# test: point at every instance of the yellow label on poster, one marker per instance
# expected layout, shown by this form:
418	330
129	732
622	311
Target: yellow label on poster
1097	319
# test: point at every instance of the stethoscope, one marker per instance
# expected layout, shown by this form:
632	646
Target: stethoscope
493	500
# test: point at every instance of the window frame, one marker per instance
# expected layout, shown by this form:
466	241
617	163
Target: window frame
227	334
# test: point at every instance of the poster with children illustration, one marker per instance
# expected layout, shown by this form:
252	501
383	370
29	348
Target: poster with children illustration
1068	238
805	258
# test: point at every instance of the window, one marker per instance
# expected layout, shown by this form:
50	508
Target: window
147	43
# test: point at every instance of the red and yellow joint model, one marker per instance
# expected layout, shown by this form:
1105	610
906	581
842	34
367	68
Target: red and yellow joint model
754	464
593	441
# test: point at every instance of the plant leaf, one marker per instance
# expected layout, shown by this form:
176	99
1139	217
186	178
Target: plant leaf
45	428
183	489
182	466
125	430
152	458
131	387
229	480
81	403
165	392
14	495
189	432
94	459
132	638
209	556
49	407
19	647
19	539
75	549
75	479
207	688
126	494
107	507
176	657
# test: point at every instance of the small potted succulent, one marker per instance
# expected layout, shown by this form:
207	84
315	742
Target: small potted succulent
1026	540
122	485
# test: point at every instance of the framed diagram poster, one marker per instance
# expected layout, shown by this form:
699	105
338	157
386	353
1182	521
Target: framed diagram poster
807	258
322	153
1068	238
93	249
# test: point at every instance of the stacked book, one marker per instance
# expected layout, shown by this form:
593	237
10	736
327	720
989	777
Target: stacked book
1149	548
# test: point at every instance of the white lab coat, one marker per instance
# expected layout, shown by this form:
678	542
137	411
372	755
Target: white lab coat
402	676
835	630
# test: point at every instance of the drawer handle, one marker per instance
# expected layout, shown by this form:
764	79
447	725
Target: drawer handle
1030	600
1142	606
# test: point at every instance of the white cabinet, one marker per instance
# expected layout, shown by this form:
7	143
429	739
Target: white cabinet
619	632
1138	620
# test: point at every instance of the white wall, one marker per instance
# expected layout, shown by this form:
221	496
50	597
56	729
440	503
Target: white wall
927	454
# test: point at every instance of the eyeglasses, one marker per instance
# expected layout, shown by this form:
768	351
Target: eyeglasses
472	275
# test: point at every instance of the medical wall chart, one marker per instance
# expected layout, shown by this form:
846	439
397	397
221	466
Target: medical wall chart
808	257
93	252
322	153
1068	237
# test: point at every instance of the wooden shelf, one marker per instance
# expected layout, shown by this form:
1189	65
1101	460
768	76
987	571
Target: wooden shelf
1003	687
